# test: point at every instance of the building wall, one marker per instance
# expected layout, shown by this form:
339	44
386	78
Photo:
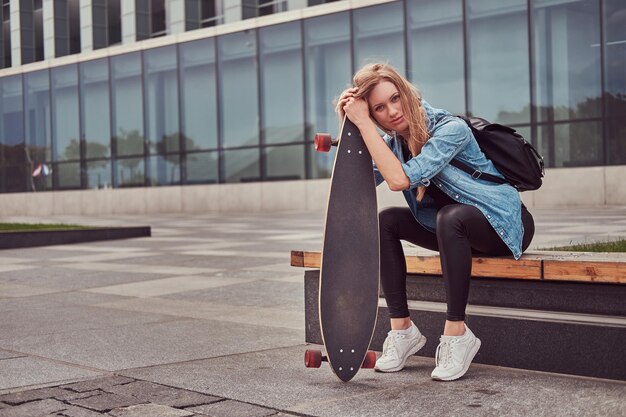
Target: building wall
240	102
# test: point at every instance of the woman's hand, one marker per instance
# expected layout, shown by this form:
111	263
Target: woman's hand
343	100
357	109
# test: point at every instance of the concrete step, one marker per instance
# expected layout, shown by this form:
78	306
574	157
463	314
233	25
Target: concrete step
563	327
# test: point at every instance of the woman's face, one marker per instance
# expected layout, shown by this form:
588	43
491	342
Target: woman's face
386	108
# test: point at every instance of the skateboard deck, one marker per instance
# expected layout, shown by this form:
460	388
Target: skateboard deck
349	275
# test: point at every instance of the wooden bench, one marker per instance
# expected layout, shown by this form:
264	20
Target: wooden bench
559	312
540	265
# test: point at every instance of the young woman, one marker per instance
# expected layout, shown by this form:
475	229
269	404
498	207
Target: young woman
448	210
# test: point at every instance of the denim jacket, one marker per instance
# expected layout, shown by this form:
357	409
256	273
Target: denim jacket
452	138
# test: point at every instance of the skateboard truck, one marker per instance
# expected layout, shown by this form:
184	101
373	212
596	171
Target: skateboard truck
313	358
323	142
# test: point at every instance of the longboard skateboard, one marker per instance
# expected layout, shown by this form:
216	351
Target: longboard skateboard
349	274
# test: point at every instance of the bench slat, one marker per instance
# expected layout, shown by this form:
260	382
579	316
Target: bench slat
533	265
529	267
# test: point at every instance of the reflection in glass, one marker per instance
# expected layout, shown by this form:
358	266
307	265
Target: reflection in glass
328	73
571	144
439	76
99	173
282	98
238	89
615	61
37	104
567	59
67	175
198	94
14	166
616	141
65	134
127	117
163	170
241	165
284	162
202	167
161	100
379	35
129	172
499	87
94	106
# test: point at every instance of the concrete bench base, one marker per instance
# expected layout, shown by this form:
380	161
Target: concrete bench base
563	327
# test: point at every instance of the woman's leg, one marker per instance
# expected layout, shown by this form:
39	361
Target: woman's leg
396	224
461	231
404	339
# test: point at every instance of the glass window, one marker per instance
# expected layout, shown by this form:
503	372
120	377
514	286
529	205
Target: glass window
571	144
99	173
161	100
99	23
198	94
163	170
67	175
129	172
114	22
616	141
94	108
238	89
282	87
202	167
284	162
37	103
242	165
499	86
158	18
615	59
14	165
379	35
327	72
439	76
65	134
126	93
567	59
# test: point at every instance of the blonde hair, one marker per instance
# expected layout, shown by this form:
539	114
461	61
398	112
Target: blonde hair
370	76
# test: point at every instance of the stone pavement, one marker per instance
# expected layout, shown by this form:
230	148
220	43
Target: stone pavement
206	318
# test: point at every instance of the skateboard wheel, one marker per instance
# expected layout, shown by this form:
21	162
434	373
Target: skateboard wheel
323	142
312	358
370	359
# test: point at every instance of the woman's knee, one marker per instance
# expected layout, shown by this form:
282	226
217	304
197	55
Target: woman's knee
389	217
452	216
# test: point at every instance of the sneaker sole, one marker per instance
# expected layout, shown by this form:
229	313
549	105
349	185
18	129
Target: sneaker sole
420	344
473	353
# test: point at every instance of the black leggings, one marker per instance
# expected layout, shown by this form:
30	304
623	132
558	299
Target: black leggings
462	230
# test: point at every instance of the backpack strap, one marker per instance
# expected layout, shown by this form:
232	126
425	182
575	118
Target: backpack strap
476	173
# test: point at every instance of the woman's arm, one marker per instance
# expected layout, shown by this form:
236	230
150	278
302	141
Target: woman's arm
387	163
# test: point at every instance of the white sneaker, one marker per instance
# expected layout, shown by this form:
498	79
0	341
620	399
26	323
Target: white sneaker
454	355
398	346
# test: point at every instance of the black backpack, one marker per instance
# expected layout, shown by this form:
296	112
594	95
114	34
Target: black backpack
512	155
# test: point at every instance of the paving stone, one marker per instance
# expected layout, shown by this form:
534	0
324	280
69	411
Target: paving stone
27	371
34	409
231	408
73	411
106	402
152	410
17	398
160	394
100	383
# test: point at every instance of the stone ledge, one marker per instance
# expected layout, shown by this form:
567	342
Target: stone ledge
27	239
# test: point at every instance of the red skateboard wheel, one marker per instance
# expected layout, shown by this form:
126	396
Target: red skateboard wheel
312	358
323	142
370	359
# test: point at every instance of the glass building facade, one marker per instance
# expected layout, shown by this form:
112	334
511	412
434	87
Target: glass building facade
244	106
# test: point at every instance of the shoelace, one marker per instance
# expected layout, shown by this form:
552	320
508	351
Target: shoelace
444	353
389	347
